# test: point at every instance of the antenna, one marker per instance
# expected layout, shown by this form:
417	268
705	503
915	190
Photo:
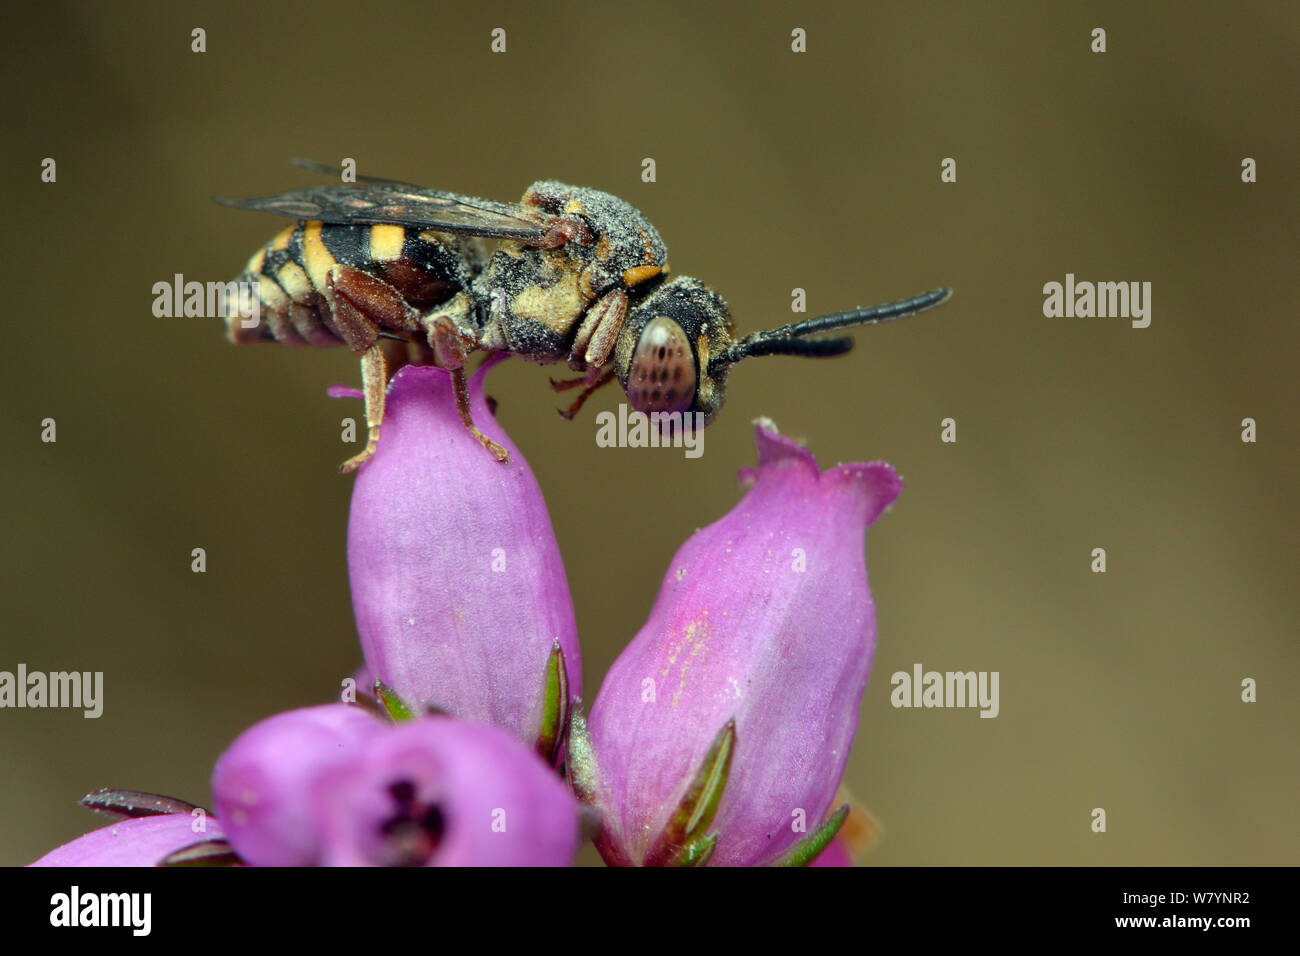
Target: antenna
790	339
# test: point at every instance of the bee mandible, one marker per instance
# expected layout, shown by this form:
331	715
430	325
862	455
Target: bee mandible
568	274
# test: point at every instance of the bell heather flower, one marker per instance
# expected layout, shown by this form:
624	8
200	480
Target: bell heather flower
721	732
334	785
142	841
460	595
338	785
260	784
445	792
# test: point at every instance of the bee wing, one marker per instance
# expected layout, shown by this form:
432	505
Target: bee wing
316	166
400	204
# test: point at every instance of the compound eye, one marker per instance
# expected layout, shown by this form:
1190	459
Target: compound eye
662	375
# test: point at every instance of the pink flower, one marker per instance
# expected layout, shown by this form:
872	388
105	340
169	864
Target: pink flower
334	785
141	841
460	595
337	785
721	732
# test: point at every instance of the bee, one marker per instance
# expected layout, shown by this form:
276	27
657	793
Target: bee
569	274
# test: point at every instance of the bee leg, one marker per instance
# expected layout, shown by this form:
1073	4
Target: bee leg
462	405
565	384
374	379
450	333
599	331
452	343
600	382
361	306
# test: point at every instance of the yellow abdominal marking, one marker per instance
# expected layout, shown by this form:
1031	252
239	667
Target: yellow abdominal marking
316	257
295	282
386	242
271	294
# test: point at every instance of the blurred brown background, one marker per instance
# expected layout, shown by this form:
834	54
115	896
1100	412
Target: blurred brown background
775	170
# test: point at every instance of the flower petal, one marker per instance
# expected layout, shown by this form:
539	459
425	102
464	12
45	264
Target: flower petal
142	841
260	785
446	792
764	617
457	583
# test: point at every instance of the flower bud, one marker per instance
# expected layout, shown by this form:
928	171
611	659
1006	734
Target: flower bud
460	595
721	732
260	784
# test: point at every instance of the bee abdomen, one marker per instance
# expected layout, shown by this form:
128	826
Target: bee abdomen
272	322
290	278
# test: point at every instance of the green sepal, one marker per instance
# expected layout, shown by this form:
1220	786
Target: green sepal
811	846
580	765
696	853
133	804
686	827
398	710
555	705
203	853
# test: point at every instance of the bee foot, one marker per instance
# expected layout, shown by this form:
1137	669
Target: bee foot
498	452
355	462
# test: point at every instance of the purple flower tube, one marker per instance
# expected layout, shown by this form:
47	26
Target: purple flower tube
457	584
721	732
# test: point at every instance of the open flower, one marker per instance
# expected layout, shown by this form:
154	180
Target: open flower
334	785
719	735
446	792
457	584
337	785
721	732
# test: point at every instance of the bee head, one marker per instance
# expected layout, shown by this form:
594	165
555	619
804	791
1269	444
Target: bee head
662	357
677	346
